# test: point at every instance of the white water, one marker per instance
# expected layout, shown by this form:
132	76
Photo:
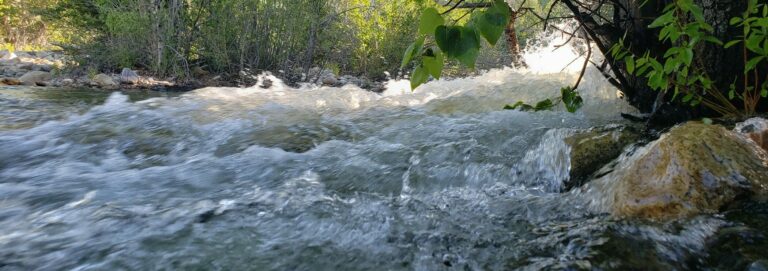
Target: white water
317	178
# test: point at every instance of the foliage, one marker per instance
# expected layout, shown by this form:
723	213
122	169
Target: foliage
568	96
683	27
463	43
454	41
755	45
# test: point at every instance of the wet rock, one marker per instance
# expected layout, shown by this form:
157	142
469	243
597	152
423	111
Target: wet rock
594	148
35	77
329	80
694	168
129	77
10	81
104	81
761	265
755	129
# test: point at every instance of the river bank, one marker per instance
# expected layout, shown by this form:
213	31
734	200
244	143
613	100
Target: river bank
56	69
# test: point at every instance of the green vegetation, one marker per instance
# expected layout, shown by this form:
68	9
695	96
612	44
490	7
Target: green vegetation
679	70
233	38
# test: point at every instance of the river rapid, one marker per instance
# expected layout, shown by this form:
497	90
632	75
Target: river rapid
325	178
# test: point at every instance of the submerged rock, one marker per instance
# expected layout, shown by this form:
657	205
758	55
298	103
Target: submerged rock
35	77
10	81
694	168
594	148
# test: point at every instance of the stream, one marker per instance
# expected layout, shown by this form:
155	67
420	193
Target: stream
325	178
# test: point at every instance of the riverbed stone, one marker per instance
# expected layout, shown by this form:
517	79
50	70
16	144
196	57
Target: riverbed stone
694	168
592	149
35	78
10	81
104	81
129	77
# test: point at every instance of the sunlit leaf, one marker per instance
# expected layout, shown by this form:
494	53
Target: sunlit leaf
412	51
419	77
430	20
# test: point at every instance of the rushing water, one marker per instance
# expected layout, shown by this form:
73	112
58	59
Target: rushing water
322	178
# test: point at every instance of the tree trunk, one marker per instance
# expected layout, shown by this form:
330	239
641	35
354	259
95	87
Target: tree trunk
631	18
512	43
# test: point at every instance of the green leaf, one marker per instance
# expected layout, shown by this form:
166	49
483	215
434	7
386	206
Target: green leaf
519	105
544	105
491	24
764	93
571	99
434	64
430	20
713	40
412	51
752	63
732	43
731	94
630	61
454	41
706	121
419	77
687	97
502	7
459	42
687	55
735	20
753	43
664	19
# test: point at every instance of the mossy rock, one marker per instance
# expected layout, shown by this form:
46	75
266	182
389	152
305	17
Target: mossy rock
594	148
693	169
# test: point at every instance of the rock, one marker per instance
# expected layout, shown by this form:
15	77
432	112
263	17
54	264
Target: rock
10	62
26	66
127	76
35	77
104	81
9	56
44	67
329	80
755	129
10	81
760	265
67	82
198	72
594	148
694	168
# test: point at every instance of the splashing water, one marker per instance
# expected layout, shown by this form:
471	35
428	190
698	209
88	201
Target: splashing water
316	178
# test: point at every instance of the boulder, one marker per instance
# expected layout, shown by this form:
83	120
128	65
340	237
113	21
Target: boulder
35	78
592	149
329	80
104	81
129	77
67	82
693	169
